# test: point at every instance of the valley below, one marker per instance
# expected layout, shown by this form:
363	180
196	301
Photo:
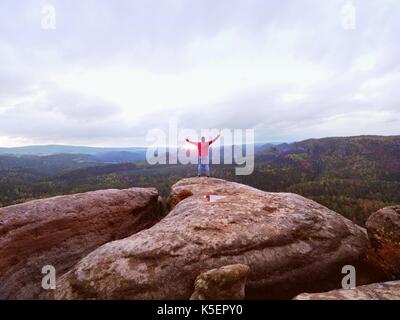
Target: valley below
353	176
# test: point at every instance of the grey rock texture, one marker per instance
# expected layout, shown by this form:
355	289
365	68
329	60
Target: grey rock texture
60	231
375	291
291	245
225	283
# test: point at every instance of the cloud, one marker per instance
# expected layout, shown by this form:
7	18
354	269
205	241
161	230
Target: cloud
111	71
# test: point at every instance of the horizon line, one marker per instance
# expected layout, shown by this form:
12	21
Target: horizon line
169	146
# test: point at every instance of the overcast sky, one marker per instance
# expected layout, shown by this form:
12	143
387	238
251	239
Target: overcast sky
112	70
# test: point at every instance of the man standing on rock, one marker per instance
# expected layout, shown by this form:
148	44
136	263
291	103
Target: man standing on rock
202	149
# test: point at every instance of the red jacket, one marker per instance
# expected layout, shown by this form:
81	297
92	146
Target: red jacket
202	147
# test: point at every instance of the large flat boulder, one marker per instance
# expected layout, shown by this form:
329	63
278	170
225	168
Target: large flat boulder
60	231
291	245
384	233
375	291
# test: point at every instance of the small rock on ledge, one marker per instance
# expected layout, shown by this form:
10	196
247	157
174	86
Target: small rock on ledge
225	283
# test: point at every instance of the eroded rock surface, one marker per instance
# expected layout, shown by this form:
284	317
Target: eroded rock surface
291	245
384	233
375	291
225	283
61	230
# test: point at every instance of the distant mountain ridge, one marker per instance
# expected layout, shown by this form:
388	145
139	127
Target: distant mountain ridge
70	149
64	149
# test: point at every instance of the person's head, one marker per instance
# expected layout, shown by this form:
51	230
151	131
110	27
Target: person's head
203	139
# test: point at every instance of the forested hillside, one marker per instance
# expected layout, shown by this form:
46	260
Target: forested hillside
354	176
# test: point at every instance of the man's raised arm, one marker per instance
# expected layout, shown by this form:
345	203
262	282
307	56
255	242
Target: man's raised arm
187	140
215	139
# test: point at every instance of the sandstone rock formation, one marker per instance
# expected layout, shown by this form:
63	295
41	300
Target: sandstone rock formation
376	291
61	230
225	283
384	233
291	245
